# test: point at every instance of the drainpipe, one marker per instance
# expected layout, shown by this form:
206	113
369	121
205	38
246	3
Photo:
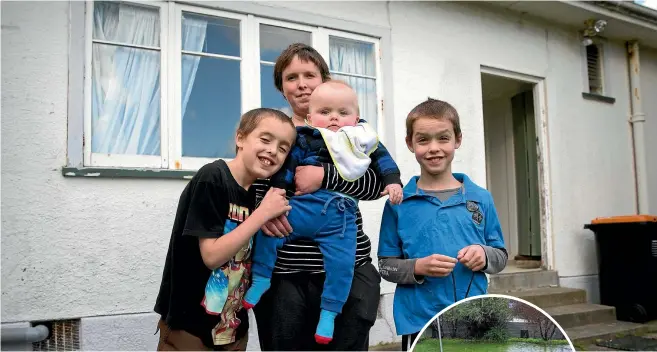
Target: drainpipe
27	334
637	122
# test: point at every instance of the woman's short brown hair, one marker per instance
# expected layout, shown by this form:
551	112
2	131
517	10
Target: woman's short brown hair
305	53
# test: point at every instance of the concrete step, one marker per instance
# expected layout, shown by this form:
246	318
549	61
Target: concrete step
523	280
587	334
580	314
547	296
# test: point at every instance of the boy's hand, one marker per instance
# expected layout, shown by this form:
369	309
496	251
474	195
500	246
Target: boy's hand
435	265
394	192
474	257
273	205
278	227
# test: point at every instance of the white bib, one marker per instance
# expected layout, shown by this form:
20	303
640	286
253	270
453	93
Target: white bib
350	148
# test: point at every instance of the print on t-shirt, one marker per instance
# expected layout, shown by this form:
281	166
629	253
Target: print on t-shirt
227	284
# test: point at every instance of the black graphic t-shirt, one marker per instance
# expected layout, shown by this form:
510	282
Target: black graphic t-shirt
204	302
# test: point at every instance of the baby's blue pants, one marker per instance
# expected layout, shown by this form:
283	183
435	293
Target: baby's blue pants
329	219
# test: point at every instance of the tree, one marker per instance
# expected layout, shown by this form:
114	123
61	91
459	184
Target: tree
479	316
437	328
546	327
451	318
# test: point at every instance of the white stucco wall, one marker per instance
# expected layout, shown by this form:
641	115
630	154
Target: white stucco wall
75	247
71	247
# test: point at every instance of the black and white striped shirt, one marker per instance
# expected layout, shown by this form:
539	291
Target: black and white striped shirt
303	255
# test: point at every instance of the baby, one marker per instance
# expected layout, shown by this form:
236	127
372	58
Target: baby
334	135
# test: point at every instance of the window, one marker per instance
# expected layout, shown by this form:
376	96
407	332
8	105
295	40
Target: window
125	96
354	61
273	40
594	69
166	83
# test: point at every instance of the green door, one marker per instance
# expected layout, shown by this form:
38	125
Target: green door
526	170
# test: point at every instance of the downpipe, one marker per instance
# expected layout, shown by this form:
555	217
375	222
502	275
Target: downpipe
637	122
24	334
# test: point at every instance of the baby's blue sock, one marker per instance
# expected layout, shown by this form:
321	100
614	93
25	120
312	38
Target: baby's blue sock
259	286
324	333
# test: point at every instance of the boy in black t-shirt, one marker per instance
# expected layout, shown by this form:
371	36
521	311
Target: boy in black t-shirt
207	268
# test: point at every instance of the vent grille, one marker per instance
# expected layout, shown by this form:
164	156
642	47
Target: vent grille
64	336
594	68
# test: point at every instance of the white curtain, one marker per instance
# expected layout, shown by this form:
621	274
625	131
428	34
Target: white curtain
193	38
353	57
125	81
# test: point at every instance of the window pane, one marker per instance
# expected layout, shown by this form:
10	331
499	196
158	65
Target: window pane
122	23
211	106
351	56
366	90
209	34
125	105
273	40
270	97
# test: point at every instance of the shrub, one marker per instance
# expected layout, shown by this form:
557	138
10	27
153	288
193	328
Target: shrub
497	334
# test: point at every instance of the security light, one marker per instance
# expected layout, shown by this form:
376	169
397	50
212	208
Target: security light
593	28
599	26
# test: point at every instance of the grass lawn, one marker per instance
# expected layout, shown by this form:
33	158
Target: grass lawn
539	341
513	345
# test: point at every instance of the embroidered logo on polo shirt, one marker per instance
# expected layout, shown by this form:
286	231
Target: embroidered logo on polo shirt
473	207
477	217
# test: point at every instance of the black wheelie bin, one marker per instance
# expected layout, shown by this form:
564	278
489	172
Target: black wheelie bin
627	265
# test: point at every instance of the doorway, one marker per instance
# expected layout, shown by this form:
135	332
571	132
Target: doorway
512	164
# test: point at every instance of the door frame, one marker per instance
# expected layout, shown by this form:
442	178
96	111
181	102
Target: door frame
543	153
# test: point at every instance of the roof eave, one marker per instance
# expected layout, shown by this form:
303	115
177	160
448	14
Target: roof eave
629	8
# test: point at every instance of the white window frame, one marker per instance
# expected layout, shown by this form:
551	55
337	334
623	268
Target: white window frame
255	29
171	56
175	126
142	161
380	126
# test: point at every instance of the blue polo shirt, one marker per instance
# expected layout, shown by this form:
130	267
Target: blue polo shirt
423	225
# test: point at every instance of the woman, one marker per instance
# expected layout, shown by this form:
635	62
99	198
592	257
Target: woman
288	313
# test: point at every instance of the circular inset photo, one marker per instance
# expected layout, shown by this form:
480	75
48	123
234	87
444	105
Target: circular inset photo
492	323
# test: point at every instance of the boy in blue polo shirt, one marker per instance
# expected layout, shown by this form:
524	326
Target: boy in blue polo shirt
440	242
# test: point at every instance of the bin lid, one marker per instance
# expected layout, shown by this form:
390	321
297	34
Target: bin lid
624	219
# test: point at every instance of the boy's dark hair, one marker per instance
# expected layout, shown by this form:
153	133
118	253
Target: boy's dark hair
304	53
250	120
433	108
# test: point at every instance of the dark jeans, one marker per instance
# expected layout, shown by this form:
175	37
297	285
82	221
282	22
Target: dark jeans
288	313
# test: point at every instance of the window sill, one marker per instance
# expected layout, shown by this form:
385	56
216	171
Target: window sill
597	97
127	173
